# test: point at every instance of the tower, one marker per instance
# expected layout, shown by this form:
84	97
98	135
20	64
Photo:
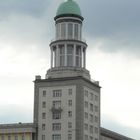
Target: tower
67	102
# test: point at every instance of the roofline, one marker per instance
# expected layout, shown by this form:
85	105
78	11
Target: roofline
111	134
68	15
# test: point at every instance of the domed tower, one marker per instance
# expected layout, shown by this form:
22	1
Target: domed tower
67	102
68	49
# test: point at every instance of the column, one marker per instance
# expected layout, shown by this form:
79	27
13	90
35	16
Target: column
81	57
57	56
85	58
74	56
52	57
65	61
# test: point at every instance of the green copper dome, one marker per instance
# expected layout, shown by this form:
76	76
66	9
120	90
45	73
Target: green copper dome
69	7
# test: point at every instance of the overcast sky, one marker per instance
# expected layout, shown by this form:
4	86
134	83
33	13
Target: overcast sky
112	31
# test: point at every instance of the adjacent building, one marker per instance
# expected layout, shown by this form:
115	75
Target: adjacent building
67	101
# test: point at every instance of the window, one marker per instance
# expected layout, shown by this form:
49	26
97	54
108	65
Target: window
96	119
91	107
70	102
86	137
56	115
57	93
78	56
70	55
69	113
86	104
43	137
91	138
44	93
62	55
43	104
56	126
91	129
86	93
91	96
76	31
9	137
69	136
96	98
70	91
86	126
86	115
69	124
96	108
63	30
43	126
91	118
96	130
22	137
56	137
2	137
57	30
57	104
70	30
43	115
16	137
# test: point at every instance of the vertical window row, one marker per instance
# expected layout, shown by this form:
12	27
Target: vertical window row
68	30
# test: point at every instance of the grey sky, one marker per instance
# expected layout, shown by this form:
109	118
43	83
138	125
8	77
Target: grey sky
112	31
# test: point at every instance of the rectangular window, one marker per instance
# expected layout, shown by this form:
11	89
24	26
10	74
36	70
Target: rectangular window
56	137
91	107
16	137
56	104
91	96
43	126
86	126
91	129
96	119
70	91
76	31
96	108
56	115
86	104
2	137
86	115
86	93
63	30
22	137
96	98
96	130
70	102
91	138
91	118
43	115
86	137
70	30
69	136
57	93
69	113
44	93
69	124
9	137
56	126
43	137
43	104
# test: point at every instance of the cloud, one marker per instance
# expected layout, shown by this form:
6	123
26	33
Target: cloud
116	23
17	113
114	125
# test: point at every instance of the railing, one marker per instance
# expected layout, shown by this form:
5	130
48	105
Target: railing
56	109
75	39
